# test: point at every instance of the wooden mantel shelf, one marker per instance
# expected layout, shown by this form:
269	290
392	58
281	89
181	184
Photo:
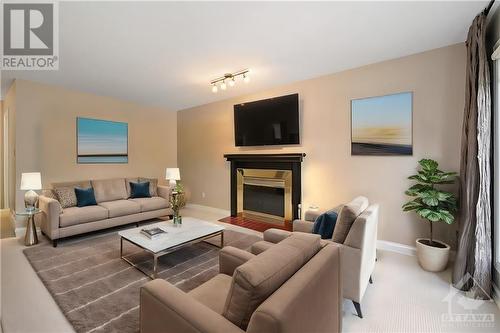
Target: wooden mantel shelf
290	157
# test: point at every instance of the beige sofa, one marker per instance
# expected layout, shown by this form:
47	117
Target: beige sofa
358	249
294	287
114	207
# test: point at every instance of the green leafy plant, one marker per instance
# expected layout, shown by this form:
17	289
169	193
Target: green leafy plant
429	202
177	199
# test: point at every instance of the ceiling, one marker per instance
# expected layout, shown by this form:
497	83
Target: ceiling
165	53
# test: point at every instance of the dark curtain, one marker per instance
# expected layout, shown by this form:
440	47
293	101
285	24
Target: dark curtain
472	271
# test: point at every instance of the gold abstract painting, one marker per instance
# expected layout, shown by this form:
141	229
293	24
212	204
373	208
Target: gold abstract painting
382	125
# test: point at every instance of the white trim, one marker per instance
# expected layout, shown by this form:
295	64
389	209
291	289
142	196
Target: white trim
208	209
396	248
381	244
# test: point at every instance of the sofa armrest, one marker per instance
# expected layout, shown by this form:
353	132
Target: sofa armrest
51	209
165	308
274	235
312	215
164	191
231	257
303	226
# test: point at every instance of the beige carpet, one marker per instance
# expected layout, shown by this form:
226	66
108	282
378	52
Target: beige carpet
99	292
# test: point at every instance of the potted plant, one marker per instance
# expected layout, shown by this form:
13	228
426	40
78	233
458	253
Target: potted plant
434	205
177	201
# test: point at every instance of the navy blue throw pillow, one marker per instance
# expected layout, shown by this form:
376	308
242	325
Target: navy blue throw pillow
85	197
139	190
324	224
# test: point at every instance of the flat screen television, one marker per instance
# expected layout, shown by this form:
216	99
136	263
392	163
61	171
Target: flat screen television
273	121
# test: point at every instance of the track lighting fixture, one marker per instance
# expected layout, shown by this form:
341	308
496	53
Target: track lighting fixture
230	78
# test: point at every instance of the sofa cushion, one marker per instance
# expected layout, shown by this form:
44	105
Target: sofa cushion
121	207
80	183
153	203
77	215
346	217
109	189
127	184
261	246
254	281
213	293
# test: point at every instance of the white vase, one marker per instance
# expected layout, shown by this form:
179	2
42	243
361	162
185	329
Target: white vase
432	258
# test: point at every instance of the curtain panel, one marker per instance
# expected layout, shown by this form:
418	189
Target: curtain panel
472	270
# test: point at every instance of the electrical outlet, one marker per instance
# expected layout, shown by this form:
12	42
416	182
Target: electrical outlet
203	195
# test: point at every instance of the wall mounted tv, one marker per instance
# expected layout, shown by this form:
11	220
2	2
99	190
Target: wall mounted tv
273	121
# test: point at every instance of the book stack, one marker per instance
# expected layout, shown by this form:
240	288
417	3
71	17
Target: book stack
153	233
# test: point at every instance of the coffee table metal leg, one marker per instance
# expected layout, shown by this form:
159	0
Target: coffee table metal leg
121	247
222	239
155	266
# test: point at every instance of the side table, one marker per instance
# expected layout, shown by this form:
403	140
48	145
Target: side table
30	238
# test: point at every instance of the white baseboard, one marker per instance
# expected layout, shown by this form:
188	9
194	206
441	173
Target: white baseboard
381	244
208	209
396	248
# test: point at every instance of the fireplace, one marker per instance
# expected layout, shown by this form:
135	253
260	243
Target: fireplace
265	193
266	186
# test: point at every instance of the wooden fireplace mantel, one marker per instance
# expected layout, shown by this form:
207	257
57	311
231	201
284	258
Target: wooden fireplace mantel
294	157
291	161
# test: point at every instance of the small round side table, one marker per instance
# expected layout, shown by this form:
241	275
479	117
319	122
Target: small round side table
31	237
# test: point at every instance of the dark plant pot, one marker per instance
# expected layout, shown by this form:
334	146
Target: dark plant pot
433	257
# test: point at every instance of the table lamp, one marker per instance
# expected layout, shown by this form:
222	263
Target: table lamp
31	181
173	175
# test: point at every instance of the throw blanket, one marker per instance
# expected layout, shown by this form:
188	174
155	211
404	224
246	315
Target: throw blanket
325	224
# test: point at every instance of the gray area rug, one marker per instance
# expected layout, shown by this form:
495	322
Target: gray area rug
99	292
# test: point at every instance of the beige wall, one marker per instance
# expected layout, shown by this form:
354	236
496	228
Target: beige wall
46	135
330	174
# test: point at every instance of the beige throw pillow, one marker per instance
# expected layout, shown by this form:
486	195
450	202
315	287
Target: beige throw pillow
348	214
346	218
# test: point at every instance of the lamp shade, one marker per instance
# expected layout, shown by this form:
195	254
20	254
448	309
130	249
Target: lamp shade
173	174
31	181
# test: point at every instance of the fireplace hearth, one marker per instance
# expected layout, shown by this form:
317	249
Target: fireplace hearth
266	187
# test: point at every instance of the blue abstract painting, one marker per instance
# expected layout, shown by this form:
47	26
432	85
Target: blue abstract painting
101	141
382	125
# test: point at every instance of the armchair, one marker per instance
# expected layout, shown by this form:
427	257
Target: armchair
358	250
294	287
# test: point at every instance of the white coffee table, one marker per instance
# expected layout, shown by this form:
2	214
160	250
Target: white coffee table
190	232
